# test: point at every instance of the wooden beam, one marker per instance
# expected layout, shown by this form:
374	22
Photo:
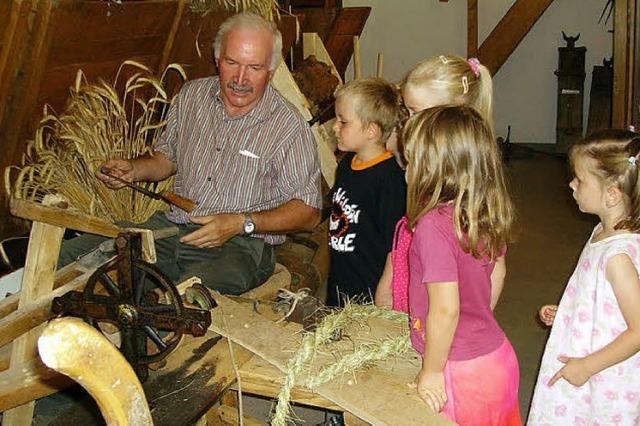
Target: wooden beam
229	416
263	379
68	218
171	36
37	281
10	303
509	32
623	63
472	28
32	381
33	314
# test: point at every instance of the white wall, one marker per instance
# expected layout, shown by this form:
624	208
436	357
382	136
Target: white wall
407	31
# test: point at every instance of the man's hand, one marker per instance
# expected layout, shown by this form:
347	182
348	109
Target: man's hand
120	168
216	229
575	371
548	314
431	389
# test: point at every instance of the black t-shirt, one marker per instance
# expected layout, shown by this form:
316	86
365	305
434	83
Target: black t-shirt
366	205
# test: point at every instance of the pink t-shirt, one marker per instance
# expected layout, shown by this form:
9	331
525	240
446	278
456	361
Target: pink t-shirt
436	256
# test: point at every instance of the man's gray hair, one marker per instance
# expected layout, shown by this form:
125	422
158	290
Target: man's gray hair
252	21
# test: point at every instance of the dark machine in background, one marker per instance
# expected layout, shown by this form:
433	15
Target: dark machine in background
571	76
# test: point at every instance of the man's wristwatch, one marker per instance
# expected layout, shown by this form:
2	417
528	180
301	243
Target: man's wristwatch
249	225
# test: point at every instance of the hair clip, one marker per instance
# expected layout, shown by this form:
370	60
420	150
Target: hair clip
474	64
465	85
632	160
443	59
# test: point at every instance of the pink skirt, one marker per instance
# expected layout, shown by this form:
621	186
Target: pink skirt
484	391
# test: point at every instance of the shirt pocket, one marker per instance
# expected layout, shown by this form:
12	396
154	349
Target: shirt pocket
244	177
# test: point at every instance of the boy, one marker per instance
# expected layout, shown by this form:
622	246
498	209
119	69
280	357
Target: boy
369	195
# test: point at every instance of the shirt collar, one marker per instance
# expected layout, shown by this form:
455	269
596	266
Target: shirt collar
260	112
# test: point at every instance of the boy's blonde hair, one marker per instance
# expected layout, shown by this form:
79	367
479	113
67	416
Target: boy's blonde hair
615	153
460	81
452	157
377	101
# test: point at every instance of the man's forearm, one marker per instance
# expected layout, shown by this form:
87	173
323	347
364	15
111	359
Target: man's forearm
152	168
292	216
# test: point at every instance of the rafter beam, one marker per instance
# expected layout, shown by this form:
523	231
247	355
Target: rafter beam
510	31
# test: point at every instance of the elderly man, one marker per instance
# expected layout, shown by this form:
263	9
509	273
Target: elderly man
238	148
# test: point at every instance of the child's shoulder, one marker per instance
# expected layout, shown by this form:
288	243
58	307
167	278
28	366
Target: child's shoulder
440	217
627	243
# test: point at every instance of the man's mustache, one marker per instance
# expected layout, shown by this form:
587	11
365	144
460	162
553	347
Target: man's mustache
239	88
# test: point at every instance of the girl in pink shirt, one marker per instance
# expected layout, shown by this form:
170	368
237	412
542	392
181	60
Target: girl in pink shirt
462	214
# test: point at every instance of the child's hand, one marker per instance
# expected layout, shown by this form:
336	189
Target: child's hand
575	371
548	314
431	389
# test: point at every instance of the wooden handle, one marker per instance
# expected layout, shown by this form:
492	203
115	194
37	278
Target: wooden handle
181	202
169	231
356	58
75	349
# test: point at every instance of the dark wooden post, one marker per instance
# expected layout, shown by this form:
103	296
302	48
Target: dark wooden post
570	93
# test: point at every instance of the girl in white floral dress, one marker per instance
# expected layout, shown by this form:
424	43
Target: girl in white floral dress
590	372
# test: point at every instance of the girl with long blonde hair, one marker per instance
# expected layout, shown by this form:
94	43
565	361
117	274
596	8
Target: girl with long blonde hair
462	216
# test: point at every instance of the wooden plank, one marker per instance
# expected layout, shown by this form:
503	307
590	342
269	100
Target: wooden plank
171	36
512	28
623	36
67	273
635	118
198	371
21	67
281	278
229	415
379	395
32	381
15	36
38	311
356	58
5	357
349	22
263	379
68	218
37	281
90	20
71	55
472	28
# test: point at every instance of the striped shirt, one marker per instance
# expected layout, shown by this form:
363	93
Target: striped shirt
254	162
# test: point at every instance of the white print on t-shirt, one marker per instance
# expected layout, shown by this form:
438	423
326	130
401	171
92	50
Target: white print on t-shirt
342	215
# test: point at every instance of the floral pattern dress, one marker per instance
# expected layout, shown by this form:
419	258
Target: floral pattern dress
589	318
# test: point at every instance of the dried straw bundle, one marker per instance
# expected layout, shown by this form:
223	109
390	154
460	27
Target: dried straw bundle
98	124
358	358
268	9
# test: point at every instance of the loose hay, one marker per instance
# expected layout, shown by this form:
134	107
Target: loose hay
98	124
268	9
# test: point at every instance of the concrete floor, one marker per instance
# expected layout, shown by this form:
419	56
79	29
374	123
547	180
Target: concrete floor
551	233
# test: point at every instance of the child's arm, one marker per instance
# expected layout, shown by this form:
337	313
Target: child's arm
384	292
623	277
497	280
441	323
